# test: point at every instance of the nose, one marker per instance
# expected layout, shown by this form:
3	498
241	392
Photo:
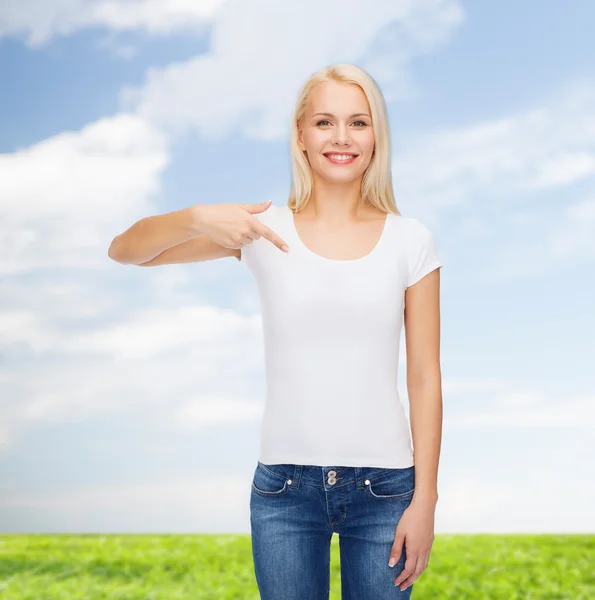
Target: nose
341	141
341	138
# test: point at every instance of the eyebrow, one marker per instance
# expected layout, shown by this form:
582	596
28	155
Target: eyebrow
326	114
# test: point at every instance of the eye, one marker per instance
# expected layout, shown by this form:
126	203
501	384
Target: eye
364	124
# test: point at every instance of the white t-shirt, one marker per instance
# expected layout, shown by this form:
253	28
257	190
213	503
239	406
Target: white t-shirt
332	332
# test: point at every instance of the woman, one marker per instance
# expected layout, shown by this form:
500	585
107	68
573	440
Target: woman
338	270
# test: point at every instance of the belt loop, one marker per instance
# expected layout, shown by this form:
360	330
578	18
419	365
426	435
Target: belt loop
359	480
297	475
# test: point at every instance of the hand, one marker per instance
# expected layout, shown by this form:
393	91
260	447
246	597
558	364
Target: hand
416	531
233	226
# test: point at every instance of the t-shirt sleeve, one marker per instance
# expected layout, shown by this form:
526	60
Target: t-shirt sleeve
422	252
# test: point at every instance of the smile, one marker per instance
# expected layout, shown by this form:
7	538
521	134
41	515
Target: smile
340	159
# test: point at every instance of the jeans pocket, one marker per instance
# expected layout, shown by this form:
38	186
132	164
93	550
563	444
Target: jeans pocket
266	483
399	484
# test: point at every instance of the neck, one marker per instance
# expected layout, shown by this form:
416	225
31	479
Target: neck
335	202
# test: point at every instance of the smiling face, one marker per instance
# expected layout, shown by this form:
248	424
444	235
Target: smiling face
345	129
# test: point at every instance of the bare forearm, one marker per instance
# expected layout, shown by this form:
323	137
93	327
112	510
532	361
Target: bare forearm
152	235
425	401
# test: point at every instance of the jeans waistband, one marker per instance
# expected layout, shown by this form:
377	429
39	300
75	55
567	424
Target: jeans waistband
320	476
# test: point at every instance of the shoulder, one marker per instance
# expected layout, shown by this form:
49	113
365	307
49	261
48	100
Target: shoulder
414	233
407	229
412	227
421	251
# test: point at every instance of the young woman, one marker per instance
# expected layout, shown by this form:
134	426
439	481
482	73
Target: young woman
338	270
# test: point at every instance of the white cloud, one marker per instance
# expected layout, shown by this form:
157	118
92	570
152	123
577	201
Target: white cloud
259	58
174	357
62	199
41	20
539	149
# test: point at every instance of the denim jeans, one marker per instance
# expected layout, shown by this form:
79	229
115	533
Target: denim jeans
294	510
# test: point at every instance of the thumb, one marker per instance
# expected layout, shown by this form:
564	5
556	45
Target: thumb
257	208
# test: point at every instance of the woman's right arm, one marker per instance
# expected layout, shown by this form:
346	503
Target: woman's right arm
194	234
173	237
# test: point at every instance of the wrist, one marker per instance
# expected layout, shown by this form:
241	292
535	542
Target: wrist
196	218
426	498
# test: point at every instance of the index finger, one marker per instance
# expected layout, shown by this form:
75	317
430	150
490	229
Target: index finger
270	235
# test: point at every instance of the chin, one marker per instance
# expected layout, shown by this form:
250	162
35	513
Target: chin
345	177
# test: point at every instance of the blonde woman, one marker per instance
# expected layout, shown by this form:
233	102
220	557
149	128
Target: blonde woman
339	270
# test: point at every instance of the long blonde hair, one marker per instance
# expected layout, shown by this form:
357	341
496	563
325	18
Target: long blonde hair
377	187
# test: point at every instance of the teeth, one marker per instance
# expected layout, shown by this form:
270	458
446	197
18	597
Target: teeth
340	156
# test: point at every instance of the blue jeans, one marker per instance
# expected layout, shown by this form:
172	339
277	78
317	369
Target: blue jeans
294	510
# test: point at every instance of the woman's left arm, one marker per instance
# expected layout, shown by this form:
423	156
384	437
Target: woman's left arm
424	382
424	387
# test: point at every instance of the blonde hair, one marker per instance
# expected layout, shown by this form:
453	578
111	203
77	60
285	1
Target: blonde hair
376	188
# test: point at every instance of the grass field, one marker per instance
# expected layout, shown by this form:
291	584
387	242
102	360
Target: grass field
219	567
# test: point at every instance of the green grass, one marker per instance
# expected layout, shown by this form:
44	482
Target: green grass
219	567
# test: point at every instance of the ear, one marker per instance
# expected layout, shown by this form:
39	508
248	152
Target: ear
301	141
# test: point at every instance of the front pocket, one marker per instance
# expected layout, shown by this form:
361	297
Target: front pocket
397	486
266	483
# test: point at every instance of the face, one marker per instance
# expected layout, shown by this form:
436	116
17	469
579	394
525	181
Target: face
347	129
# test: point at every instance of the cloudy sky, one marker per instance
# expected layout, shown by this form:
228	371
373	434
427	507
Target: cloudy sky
130	399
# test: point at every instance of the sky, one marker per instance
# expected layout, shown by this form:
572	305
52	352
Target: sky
130	399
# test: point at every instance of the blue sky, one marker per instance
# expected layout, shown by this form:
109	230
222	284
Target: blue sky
130	399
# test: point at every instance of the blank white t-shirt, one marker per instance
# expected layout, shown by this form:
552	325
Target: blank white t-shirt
332	332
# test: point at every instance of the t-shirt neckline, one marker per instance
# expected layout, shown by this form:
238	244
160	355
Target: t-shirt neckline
319	257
